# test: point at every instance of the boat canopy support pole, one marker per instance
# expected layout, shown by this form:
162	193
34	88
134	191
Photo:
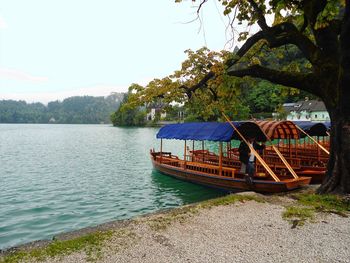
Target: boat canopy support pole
185	158
220	158
280	155
203	151
161	150
192	150
257	155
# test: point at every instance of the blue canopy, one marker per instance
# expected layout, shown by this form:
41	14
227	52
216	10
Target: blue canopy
313	128
210	131
328	124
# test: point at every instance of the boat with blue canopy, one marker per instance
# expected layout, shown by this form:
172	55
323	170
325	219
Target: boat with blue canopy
222	170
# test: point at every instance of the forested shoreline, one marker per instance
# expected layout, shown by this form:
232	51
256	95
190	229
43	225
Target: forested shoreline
73	110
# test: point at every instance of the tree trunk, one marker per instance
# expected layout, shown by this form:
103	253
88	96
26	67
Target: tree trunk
337	178
338	170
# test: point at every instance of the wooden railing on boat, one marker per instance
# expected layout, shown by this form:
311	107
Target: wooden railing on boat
174	161
309	157
275	162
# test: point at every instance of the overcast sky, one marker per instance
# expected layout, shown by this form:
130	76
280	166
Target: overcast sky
53	49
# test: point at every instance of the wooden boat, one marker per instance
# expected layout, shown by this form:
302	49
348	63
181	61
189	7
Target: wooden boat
219	171
305	159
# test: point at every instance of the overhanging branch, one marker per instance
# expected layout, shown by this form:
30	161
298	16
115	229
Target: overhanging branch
306	82
275	36
200	84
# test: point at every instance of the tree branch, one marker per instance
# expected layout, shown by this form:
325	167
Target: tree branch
261	18
215	95
275	36
287	33
305	24
200	6
306	82
201	83
280	35
327	38
246	47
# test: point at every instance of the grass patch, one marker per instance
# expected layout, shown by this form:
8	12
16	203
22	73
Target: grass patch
308	204
91	243
325	203
297	215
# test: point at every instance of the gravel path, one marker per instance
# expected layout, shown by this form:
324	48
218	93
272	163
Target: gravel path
241	232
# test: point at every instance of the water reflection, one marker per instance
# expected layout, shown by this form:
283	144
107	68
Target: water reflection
185	192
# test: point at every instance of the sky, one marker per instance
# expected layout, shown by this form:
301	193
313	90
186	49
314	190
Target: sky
54	49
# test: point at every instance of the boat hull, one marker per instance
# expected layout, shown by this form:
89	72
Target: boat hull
317	176
229	183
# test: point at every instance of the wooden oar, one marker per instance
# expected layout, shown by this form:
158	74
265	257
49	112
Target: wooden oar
289	167
261	160
319	145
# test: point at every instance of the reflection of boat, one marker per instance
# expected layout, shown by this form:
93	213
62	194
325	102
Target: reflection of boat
179	192
219	170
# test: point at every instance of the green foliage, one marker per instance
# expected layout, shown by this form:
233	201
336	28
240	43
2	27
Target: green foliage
330	12
264	97
239	98
77	110
128	114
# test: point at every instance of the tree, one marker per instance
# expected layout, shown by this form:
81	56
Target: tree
320	29
128	114
79	109
205	104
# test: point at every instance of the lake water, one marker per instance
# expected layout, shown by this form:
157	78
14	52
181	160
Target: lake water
58	178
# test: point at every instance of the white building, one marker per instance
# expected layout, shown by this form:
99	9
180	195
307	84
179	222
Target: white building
152	114
308	110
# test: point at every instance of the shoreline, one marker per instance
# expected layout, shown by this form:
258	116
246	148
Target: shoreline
114	224
245	214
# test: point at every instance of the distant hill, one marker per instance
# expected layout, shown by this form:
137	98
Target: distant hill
73	110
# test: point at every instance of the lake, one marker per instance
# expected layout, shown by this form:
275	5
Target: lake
58	178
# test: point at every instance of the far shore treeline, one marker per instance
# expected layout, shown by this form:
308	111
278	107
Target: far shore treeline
73	110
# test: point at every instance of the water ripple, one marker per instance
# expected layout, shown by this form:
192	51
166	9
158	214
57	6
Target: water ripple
58	178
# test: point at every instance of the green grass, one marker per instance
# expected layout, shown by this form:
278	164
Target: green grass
308	204
325	203
298	215
91	243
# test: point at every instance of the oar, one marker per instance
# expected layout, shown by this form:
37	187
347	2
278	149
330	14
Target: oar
289	167
261	160
319	145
